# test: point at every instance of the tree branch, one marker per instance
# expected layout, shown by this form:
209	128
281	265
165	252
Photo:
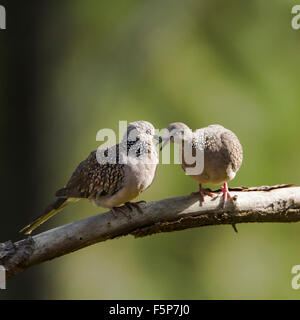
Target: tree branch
264	204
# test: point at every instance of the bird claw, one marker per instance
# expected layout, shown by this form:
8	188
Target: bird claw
135	205
202	193
226	194
115	211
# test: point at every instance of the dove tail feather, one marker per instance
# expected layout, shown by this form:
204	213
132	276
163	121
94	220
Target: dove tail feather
50	211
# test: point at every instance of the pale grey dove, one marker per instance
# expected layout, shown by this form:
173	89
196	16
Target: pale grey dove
110	177
222	154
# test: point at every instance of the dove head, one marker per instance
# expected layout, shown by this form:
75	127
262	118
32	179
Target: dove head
176	133
140	131
138	138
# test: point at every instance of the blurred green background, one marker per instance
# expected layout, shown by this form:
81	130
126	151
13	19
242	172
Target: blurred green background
71	68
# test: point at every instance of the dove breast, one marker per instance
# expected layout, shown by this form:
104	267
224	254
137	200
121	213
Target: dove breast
223	154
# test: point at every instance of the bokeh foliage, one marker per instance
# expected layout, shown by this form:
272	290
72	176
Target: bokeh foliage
231	62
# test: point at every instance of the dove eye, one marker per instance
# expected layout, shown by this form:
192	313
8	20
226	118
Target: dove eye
148	131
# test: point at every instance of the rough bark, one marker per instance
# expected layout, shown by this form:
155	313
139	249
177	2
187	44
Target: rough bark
279	203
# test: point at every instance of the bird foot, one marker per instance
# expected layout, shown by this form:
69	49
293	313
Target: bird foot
135	205
226	194
116	210
203	192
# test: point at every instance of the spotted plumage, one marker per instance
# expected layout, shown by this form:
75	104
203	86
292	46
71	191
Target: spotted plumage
110	177
220	150
223	154
92	180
